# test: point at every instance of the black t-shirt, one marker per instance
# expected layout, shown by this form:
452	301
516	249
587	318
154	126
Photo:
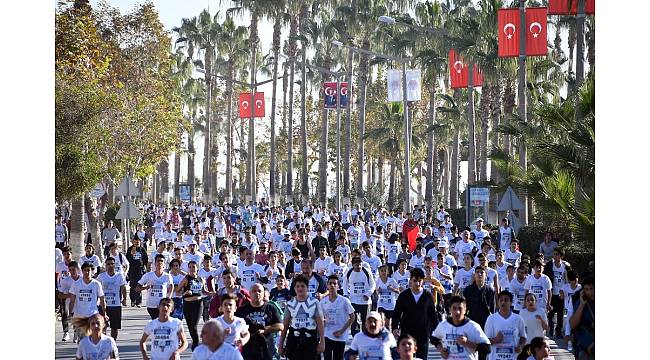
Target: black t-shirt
257	318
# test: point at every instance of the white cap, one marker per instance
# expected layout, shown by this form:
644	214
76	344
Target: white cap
443	244
374	314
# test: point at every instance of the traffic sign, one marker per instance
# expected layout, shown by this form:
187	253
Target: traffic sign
127	188
128	210
98	191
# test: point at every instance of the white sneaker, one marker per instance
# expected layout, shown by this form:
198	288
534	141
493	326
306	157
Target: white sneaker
569	347
66	336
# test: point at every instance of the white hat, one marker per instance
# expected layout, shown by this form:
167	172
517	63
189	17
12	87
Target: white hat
374	314
479	219
443	244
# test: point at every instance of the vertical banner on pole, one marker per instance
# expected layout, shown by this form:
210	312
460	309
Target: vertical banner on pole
536	31
330	90
561	7
343	95
394	81
245	105
413	81
508	20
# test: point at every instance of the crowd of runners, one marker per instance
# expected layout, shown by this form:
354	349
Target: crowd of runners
264	282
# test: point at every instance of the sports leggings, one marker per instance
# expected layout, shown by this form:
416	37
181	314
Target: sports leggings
334	349
192	313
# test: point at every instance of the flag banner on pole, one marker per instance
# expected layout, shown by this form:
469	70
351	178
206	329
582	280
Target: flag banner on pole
413	81
260	110
343	95
394	81
329	92
456	72
508	20
561	7
410	229
536	31
245	105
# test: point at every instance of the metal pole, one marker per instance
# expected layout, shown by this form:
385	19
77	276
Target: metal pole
521	108
304	186
407	145
338	142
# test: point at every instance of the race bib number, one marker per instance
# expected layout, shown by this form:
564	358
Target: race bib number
538	291
311	289
111	298
452	345
505	353
85	295
558	276
156	291
385	297
371	353
357	288
162	338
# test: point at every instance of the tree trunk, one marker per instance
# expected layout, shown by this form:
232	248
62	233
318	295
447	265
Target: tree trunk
164	180
304	13
292	54
455	164
369	174
591	47
251	175
495	114
322	161
431	163
177	174
93	227
471	132
508	110
207	132
77	234
485	125
391	183
276	53
571	41
446	178
363	81
347	170
229	140
380	163
580	46
285	84
190	162
521	111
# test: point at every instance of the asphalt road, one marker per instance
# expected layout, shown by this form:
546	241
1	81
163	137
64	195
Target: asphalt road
134	320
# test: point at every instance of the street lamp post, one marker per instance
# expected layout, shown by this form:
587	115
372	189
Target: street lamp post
338	76
407	126
441	32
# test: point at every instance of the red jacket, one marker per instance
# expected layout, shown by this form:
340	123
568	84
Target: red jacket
214	310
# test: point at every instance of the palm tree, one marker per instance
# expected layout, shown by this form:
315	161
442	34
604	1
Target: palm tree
302	21
232	45
201	34
452	111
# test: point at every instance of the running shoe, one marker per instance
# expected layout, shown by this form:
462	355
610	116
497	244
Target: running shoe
66	336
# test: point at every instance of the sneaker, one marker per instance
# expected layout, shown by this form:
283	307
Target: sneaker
66	336
569	347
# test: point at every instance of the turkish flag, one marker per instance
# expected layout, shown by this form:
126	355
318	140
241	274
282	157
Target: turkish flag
536	31
260	110
561	7
329	91
478	76
410	231
508	20
343	96
245	105
456	74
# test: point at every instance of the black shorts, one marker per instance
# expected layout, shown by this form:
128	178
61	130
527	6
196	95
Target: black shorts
388	314
114	314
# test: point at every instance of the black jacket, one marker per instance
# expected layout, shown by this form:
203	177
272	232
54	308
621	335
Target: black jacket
480	303
417	319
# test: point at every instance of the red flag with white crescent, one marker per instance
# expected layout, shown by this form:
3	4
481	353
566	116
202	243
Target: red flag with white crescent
260	110
508	26
478	76
536	43
561	7
245	105
456	72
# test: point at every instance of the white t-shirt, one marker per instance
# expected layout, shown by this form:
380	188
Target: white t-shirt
303	314
533	326
226	352
338	270
463	248
448	333
164	337
336	314
463	278
506	236
202	352
93	259
539	287
373	348
513	257
59	233
519	293
417	262
236	328
402	280
354	233
248	274
345	252
446	283
512	328
158	287
103	350
559	277
387	297
86	296
322	264
392	252
111	286
568	293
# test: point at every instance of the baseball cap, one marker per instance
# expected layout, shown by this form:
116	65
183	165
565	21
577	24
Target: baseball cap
443	244
374	314
479	219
